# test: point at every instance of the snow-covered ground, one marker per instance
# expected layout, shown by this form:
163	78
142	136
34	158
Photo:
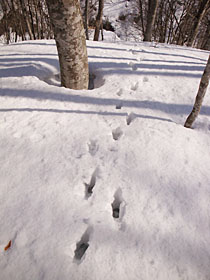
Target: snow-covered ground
104	183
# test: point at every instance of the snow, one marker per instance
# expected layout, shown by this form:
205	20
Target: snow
71	160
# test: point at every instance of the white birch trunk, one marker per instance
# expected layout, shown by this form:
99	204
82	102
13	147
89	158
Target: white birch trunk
66	19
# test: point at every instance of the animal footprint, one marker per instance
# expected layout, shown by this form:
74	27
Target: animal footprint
119	105
118	207
134	52
82	245
133	66
130	118
135	86
117	133
93	147
89	187
120	92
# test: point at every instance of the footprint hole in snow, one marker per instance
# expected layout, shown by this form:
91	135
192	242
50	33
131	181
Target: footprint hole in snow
119	105
89	186
145	79
134	52
93	147
82	245
133	66
135	86
116	204
117	133
120	92
130	118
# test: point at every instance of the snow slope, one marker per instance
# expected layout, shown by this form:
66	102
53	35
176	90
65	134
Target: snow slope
71	160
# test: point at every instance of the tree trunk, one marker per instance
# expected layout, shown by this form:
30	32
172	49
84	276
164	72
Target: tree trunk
200	96
141	16
32	20
197	21
99	20
69	35
206	43
25	14
152	10
86	18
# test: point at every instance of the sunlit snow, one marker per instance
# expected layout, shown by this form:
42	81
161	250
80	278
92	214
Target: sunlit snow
104	183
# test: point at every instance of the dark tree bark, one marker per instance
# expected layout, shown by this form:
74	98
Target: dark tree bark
25	14
5	9
152	10
99	20
141	16
32	20
206	42
69	35
200	96
86	18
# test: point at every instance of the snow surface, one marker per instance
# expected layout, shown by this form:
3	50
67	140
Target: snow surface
104	183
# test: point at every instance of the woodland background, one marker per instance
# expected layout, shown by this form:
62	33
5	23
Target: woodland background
177	22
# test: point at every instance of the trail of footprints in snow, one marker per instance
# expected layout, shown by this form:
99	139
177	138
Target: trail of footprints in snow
82	245
118	209
117	212
117	132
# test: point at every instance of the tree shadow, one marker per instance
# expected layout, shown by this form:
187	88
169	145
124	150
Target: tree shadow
169	108
49	42
141	50
38	66
174	61
81	112
147	69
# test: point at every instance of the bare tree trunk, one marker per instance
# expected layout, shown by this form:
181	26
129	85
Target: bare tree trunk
152	10
206	43
32	20
69	34
99	20
5	9
25	14
197	21
86	18
200	96
141	16
102	32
